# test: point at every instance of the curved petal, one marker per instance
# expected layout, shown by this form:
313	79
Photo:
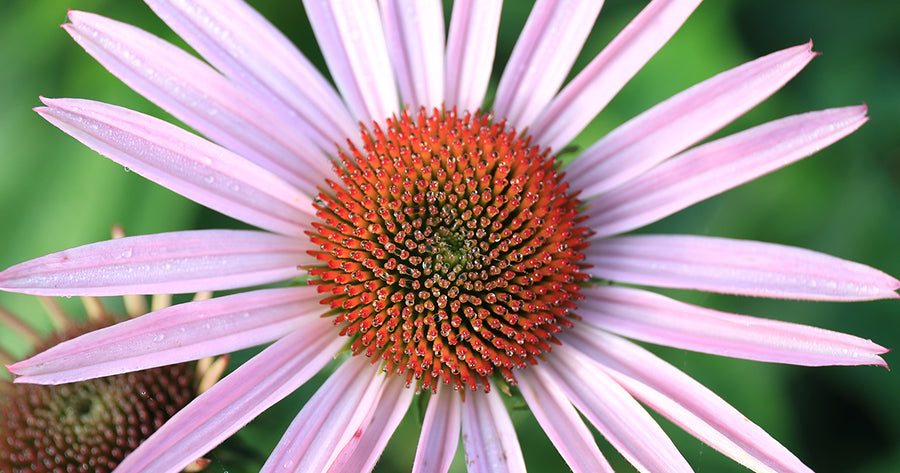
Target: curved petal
684	401
176	334
593	88
352	40
340	408
200	97
238	41
471	44
624	423
165	263
185	163
717	166
748	268
560	421
657	319
440	432
235	400
684	119
415	38
363	451
488	435
544	53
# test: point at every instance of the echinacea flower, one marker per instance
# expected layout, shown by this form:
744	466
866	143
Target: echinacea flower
456	258
90	426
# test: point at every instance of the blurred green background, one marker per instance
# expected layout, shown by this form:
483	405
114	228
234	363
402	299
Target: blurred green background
55	194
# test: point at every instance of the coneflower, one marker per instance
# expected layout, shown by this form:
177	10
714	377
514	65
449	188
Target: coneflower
90	426
444	245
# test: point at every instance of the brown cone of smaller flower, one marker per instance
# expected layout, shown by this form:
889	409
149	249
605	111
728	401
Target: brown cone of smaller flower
90	426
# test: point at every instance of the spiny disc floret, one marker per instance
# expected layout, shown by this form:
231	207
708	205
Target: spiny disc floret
450	248
88	426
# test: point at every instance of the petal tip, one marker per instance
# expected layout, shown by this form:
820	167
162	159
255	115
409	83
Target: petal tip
809	47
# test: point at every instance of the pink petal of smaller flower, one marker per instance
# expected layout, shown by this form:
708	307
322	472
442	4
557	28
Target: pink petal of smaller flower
471	44
544	53
592	89
560	421
682	120
657	319
363	451
684	401
439	436
185	163
415	37
241	43
336	413
723	265
165	263
715	167
201	97
624	423
235	400
352	40
176	334
488	435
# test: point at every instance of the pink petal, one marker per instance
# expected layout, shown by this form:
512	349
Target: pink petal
544	53
592	89
560	421
749	268
364	450
471	44
242	44
336	413
236	399
684	401
488	435
686	118
185	163
415	38
715	167
657	319
624	423
176	334
200	97
440	432
352	40
165	263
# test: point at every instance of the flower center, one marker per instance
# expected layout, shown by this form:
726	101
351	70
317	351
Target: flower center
87	426
450	247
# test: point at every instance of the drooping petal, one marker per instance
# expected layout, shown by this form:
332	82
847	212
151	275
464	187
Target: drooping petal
624	423
200	97
235	400
352	40
176	334
715	167
345	402
685	119
363	451
440	432
592	89
544	53
654	318
165	263
241	43
415	38
471	44
488	435
684	401
723	265
185	163
560	421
